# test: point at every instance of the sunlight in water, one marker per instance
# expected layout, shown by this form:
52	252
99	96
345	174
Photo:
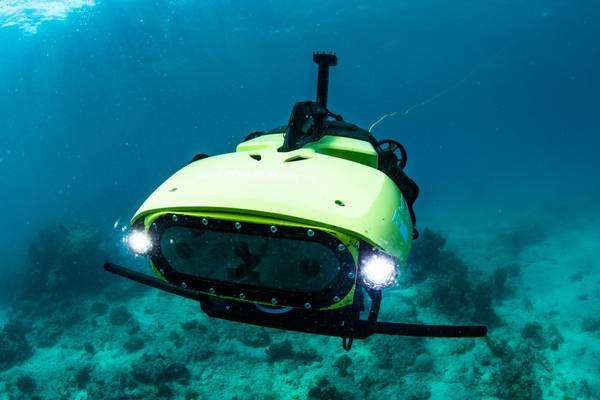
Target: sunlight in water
29	14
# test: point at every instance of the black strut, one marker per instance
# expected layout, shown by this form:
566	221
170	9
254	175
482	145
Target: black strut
324	60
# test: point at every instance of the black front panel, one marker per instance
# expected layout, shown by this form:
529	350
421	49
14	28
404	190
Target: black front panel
273	262
279	265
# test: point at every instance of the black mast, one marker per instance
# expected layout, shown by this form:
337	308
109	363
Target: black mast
307	119
324	60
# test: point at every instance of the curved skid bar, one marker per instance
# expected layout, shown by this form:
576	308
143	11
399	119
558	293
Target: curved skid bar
362	329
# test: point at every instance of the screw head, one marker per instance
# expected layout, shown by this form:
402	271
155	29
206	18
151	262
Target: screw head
273	229
204	221
174	218
273	301
336	299
238	225
351	275
211	291
341	247
307	306
242	296
310	233
184	285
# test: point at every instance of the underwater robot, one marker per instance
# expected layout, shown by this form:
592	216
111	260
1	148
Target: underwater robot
301	228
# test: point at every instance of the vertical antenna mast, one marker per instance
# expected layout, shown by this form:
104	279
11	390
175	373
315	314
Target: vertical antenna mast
324	60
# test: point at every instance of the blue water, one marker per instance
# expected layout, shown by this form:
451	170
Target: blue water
497	105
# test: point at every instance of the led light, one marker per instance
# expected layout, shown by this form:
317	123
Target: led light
139	242
379	271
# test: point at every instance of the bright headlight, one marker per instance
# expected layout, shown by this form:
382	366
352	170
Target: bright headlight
379	271
139	242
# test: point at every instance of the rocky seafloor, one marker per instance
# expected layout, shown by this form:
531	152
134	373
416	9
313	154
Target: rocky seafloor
73	331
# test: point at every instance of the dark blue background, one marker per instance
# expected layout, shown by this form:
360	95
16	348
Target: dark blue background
98	109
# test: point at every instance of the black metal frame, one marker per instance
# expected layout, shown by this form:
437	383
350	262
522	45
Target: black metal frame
325	298
344	322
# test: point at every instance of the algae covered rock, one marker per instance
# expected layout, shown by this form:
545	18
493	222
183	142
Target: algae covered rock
279	351
423	363
533	332
152	368
134	343
284	350
26	384
194	327
342	364
119	315
256	337
325	390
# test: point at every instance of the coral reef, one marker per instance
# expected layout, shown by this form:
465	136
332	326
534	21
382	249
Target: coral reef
158	346
537	336
590	325
83	376
425	256
64	264
518	239
516	378
47	332
455	289
396	360
98	308
504	280
14	347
